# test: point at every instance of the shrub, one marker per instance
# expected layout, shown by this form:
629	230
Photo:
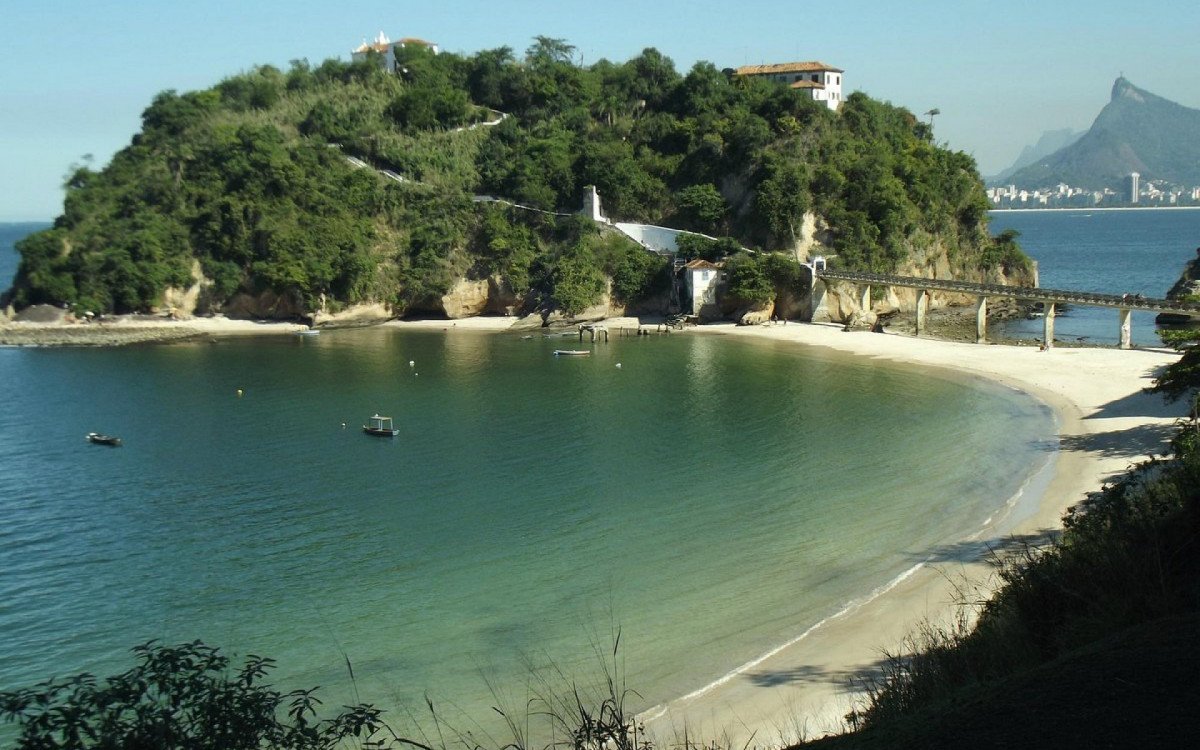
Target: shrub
180	697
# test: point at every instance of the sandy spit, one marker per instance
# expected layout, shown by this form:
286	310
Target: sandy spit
134	329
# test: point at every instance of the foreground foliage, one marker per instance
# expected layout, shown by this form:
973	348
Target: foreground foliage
248	183
180	697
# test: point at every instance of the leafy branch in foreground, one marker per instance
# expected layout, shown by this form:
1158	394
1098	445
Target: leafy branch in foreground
185	697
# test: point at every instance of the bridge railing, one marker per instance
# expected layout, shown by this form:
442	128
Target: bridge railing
1033	294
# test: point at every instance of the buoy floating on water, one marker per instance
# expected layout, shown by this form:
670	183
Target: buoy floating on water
411	363
618	365
239	392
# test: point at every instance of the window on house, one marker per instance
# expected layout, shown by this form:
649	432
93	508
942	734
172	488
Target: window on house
704	275
815	77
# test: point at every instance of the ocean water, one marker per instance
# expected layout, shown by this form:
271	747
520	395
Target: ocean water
1114	252
10	233
711	499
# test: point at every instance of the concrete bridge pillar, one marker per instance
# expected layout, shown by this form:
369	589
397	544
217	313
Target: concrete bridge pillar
1048	330
922	307
981	320
864	302
820	304
1126	328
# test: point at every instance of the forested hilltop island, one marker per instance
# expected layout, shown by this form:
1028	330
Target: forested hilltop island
327	191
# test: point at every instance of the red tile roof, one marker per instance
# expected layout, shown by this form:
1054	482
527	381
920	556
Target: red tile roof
806	85
812	66
701	264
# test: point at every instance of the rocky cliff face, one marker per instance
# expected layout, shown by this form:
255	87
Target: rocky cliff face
929	260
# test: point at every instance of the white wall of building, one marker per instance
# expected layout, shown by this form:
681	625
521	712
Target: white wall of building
702	286
663	239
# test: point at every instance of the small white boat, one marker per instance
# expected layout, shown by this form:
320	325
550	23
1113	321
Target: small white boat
380	427
310	332
571	352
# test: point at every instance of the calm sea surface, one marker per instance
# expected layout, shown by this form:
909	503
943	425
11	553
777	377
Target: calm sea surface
1115	252
711	497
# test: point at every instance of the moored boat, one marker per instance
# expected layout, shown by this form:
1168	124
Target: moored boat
380	427
98	439
571	352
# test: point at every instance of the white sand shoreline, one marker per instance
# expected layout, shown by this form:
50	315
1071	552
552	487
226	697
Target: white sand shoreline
1105	423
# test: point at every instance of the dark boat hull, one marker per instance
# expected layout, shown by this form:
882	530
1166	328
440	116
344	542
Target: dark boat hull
380	433
98	439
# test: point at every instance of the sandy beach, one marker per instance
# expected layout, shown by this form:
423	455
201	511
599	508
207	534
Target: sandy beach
1106	422
135	329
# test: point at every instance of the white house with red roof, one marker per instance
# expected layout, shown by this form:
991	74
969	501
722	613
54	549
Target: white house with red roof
820	81
387	49
701	279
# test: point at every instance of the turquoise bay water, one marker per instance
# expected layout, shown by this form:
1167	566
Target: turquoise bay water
1113	252
712	497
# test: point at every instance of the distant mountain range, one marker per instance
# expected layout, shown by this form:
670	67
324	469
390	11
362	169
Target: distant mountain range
1051	141
1135	132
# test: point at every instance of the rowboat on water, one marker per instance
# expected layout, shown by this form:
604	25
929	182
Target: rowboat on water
571	352
98	439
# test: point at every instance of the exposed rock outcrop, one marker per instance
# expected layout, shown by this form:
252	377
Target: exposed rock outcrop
755	315
183	302
861	320
355	315
838	302
466	299
265	306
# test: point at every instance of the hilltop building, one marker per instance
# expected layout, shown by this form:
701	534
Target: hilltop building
387	49
820	81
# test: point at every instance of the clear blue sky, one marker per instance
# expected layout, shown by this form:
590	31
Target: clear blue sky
75	76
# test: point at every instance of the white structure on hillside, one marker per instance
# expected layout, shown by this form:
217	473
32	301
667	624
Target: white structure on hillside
656	239
701	278
1134	186
387	49
591	205
820	81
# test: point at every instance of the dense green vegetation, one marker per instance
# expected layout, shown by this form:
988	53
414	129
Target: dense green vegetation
249	184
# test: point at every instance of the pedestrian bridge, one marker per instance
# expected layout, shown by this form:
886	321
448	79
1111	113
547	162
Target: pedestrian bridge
1124	303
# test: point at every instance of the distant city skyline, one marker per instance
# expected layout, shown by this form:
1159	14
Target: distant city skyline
76	76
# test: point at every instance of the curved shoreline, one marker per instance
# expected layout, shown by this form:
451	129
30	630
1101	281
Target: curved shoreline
1104	423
